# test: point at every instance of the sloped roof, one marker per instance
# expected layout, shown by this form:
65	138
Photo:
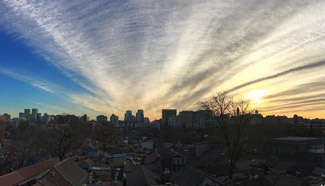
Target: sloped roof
283	165
318	171
70	171
11	179
171	153
37	169
296	139
286	181
168	145
141	176
305	168
189	176
258	182
153	157
27	173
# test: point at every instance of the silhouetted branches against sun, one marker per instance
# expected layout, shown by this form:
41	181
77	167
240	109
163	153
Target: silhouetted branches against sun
231	118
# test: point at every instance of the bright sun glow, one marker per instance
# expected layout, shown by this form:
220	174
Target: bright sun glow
256	95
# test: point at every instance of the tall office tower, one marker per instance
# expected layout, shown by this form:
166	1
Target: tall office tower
186	119
146	120
34	114
38	116
166	113
34	111
199	118
46	118
21	115
84	118
140	116
27	114
114	119
128	116
101	119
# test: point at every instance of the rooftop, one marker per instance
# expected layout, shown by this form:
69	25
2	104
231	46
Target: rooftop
27	173
292	138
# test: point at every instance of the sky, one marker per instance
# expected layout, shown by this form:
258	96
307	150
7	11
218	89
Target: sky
108	56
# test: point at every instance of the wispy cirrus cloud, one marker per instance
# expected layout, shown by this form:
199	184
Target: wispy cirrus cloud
153	55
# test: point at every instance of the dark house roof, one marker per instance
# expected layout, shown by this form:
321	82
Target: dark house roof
27	173
65	173
258	182
141	176
152	158
71	172
286	181
304	168
37	169
171	153
11	179
189	176
296	139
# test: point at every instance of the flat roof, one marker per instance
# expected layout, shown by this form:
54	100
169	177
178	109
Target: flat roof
293	138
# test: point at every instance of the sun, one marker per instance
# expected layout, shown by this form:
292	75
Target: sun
256	96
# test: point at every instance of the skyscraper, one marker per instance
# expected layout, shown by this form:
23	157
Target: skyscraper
34	114
27	113
84	118
166	113
114	119
128	116
21	115
186	119
140	116
101	119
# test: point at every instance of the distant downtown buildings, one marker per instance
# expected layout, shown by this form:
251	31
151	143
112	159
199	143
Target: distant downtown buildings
169	117
185	119
33	116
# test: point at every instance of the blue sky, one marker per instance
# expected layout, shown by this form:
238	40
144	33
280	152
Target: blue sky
104	57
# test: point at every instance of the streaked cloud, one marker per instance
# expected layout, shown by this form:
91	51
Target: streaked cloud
159	54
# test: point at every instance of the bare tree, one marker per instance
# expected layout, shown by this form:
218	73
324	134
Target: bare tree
2	130
231	118
107	135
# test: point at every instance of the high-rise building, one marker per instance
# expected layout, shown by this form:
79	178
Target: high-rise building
38	116
46	118
84	118
101	119
114	119
199	119
34	111
140	116
166	113
21	115
128	116
34	114
186	119
27	113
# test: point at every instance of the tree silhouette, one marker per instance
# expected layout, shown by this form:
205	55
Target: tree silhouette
231	118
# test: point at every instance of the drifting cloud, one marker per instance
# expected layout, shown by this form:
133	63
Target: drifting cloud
297	69
153	55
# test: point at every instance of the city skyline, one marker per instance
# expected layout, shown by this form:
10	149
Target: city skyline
108	57
126	117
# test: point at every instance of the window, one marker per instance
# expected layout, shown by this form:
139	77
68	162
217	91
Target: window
178	161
